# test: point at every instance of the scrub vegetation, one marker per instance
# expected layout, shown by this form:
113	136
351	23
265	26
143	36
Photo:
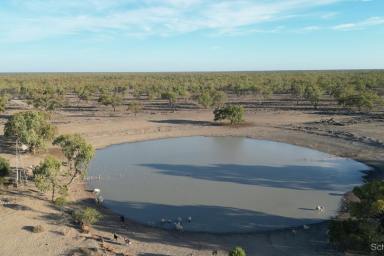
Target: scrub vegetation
331	91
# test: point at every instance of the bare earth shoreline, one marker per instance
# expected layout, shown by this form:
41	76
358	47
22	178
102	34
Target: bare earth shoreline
105	129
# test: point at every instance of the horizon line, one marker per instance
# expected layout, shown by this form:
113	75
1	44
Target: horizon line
190	71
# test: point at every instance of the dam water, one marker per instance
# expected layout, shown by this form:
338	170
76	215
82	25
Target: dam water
222	184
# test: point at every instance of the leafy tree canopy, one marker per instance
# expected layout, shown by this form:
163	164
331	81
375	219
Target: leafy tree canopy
77	151
46	175
233	113
31	128
237	251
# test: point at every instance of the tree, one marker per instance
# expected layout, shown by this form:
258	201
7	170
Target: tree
46	175
111	99
30	128
212	98
205	99
78	153
87	217
297	90
135	107
233	113
47	99
171	97
365	225
313	94
3	103
5	168
361	99
84	93
237	251
219	98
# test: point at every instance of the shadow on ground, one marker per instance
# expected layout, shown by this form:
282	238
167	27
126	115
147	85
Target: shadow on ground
292	176
186	122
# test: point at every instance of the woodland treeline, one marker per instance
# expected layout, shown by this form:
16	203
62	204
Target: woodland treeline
350	90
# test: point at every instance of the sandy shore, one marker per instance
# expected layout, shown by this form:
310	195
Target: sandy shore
103	129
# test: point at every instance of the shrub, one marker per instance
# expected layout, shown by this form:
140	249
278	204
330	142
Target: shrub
233	113
87	216
61	202
237	251
135	107
5	168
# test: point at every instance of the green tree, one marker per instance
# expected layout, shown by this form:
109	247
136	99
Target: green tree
237	251
84	93
78	153
205	99
361	100
5	168
47	99
113	100
297	90
31	128
233	113
171	97
47	174
212	98
3	103
135	107
219	98
313	94
365	223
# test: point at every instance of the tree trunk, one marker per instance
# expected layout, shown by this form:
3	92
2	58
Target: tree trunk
53	193
72	178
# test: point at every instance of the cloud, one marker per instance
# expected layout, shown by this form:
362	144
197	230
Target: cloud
39	19
373	21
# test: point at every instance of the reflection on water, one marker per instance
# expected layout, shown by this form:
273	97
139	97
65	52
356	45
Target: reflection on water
225	184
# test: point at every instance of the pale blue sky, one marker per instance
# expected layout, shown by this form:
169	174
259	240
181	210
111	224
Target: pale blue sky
190	35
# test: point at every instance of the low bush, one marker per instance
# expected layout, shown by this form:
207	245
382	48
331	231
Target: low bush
233	113
5	168
87	217
60	202
237	251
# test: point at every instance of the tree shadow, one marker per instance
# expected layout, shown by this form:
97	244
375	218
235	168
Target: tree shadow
292	177
18	207
377	171
7	145
153	254
185	122
206	219
28	228
302	243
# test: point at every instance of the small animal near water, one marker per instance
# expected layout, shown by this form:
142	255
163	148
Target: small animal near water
320	208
